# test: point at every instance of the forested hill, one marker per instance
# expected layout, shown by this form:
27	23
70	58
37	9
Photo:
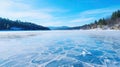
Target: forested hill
109	23
6	24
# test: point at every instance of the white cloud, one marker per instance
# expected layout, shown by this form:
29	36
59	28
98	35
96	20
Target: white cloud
11	5
14	9
28	14
82	20
98	13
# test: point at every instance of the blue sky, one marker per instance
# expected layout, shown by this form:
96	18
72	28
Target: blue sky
58	12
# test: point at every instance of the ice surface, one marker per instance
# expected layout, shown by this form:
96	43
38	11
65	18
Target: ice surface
60	48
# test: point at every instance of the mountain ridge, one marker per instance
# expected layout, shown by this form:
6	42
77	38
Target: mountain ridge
6	24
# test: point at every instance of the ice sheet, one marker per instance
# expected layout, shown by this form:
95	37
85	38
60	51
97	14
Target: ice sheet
60	49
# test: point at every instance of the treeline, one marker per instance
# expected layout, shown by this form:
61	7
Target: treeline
6	24
110	23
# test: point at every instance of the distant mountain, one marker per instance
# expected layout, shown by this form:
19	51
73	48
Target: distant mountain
6	24
65	28
59	28
109	23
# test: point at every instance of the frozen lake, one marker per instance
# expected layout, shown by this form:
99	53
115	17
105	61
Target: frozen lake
60	49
